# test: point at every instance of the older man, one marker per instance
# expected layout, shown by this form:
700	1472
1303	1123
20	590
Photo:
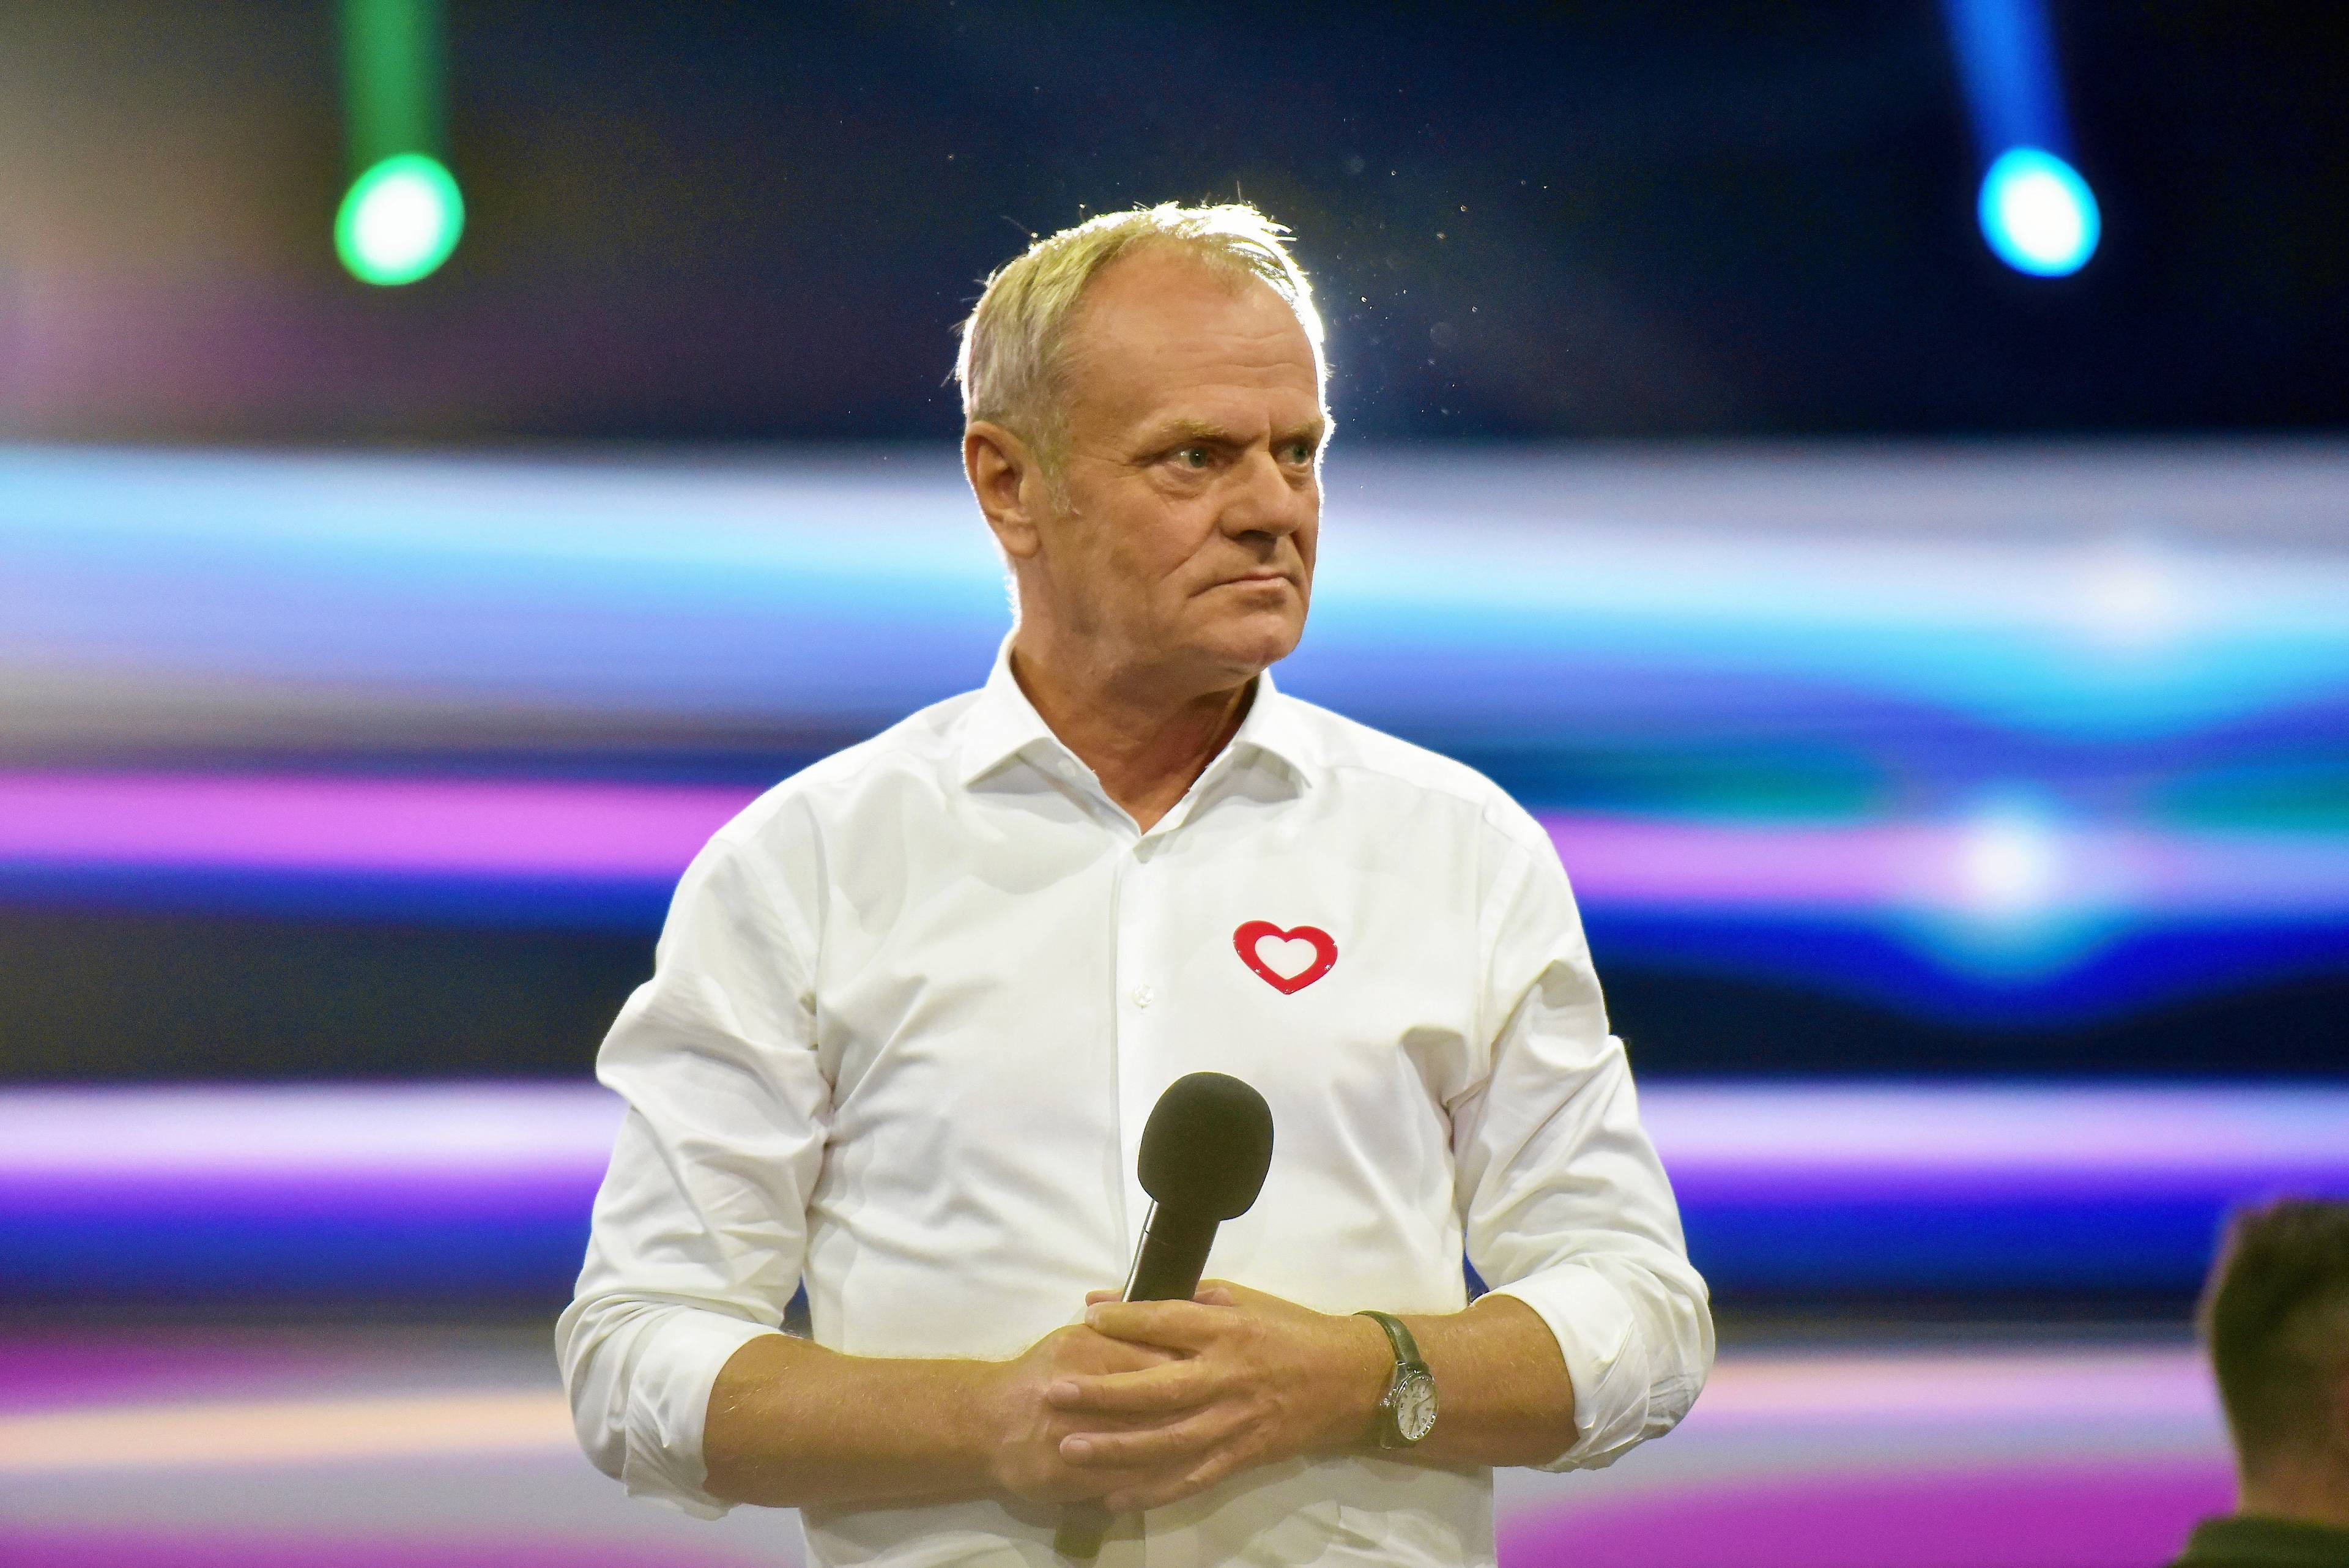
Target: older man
912	1009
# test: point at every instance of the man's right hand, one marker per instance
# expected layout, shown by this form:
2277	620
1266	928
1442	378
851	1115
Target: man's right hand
1026	1462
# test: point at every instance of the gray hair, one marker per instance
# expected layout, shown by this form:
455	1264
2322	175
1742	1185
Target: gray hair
1010	365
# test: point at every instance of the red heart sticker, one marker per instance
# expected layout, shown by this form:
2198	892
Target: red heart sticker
1252	936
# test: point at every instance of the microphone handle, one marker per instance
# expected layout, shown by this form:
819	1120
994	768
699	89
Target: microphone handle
1172	1257
1166	1268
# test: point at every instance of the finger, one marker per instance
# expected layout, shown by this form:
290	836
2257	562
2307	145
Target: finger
1214	1295
1156	1390
1158	1493
1177	1325
1095	1298
1240	1296
1158	1447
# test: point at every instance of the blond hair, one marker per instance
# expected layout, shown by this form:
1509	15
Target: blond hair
1010	365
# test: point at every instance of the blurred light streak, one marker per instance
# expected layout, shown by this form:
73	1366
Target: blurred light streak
238	592
2035	211
1900	1391
556	830
1874	1136
453	1188
302	1133
299	1133
1892	1390
283	1434
1866	1508
2008	901
1999	865
1980	1455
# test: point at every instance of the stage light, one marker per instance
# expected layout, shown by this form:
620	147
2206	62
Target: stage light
400	220
2037	213
2008	867
402	214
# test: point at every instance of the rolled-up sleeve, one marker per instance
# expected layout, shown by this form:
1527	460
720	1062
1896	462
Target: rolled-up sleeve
701	1226
1563	1202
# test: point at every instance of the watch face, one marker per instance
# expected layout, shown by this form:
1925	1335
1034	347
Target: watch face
1414	1406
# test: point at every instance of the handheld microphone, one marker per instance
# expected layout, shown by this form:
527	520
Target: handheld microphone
1205	1152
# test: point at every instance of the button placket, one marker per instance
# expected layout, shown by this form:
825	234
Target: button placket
1135	1087
1142	1059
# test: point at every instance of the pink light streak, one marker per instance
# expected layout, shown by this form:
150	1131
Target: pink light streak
493	828
636	834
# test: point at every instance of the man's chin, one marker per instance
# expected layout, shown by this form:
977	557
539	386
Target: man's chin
1245	651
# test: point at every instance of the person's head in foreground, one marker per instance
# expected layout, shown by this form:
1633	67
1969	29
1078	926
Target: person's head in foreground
2275	1315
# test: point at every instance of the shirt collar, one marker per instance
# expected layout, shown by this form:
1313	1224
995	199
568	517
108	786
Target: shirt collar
1003	723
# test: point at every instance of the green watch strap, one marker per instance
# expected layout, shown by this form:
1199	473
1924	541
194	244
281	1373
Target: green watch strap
1406	1349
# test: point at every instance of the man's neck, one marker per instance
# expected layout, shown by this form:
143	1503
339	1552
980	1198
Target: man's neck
2311	1491
1147	741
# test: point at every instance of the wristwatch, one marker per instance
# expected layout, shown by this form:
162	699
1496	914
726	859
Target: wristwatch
1408	1412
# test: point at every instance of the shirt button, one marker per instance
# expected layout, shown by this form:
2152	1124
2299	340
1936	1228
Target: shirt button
1144	996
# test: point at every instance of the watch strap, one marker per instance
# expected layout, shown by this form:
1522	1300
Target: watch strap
1409	1370
1406	1349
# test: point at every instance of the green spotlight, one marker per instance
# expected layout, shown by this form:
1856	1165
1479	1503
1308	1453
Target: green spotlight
400	220
403	215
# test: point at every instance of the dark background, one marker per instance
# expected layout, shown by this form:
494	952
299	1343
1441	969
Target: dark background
729	223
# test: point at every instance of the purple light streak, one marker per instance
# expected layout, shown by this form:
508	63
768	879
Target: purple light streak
1896	1453
480	828
572	832
2081	1515
308	1143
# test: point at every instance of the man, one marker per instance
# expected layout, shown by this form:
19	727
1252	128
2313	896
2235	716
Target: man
2276	1317
912	1009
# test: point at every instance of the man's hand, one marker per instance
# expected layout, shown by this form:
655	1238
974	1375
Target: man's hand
1030	1459
1149	1403
1246	1379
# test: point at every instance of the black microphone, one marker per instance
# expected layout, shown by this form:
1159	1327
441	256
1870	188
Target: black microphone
1205	1152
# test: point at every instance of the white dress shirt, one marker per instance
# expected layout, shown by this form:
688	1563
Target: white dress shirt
912	1008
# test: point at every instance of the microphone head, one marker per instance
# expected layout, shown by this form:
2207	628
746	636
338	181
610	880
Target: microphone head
1206	1147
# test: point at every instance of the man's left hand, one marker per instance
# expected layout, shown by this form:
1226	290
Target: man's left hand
1260	1380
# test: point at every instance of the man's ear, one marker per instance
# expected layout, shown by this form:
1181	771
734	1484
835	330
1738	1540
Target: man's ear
1008	483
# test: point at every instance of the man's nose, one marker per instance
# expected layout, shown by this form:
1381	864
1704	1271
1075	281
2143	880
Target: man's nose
1266	499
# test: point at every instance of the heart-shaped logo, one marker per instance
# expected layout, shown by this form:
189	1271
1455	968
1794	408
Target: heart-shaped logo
1288	961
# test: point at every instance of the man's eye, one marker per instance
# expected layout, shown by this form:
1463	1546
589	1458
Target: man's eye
1300	452
1192	457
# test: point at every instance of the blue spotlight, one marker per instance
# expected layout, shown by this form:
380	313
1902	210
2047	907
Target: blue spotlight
2037	213
2035	210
